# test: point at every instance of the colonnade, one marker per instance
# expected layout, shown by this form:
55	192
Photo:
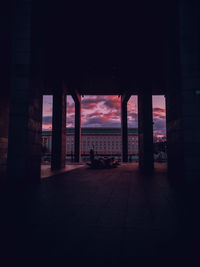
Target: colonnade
21	100
145	129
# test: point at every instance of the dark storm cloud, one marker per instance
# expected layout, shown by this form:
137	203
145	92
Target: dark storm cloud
100	122
47	120
132	115
159	126
159	110
159	113
91	102
112	102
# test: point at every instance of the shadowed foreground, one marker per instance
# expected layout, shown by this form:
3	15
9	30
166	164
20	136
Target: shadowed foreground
110	217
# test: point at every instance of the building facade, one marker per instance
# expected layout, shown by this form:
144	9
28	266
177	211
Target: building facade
104	141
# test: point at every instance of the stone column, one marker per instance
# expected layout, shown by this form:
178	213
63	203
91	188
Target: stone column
145	127
4	122
24	145
183	95
124	129
190	88
174	135
5	56
77	141
77	138
59	129
173	93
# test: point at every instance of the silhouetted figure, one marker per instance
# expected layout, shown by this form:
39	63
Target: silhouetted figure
71	156
44	150
92	156
130	158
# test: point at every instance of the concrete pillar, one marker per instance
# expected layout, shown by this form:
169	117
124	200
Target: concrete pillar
190	87
145	128
24	146
124	130
4	122
5	55
182	98
173	94
59	129
77	141
174	135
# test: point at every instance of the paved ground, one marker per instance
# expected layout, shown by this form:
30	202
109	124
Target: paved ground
47	172
113	217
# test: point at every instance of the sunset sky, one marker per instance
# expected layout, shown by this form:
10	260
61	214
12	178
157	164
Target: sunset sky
104	111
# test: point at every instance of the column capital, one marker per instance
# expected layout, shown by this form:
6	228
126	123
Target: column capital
76	96
125	97
57	87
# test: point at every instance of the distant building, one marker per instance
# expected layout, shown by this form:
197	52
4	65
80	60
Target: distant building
104	141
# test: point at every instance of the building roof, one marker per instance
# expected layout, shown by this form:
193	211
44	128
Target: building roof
97	130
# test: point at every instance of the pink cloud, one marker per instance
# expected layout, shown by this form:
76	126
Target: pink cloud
89	105
105	111
159	113
94	114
